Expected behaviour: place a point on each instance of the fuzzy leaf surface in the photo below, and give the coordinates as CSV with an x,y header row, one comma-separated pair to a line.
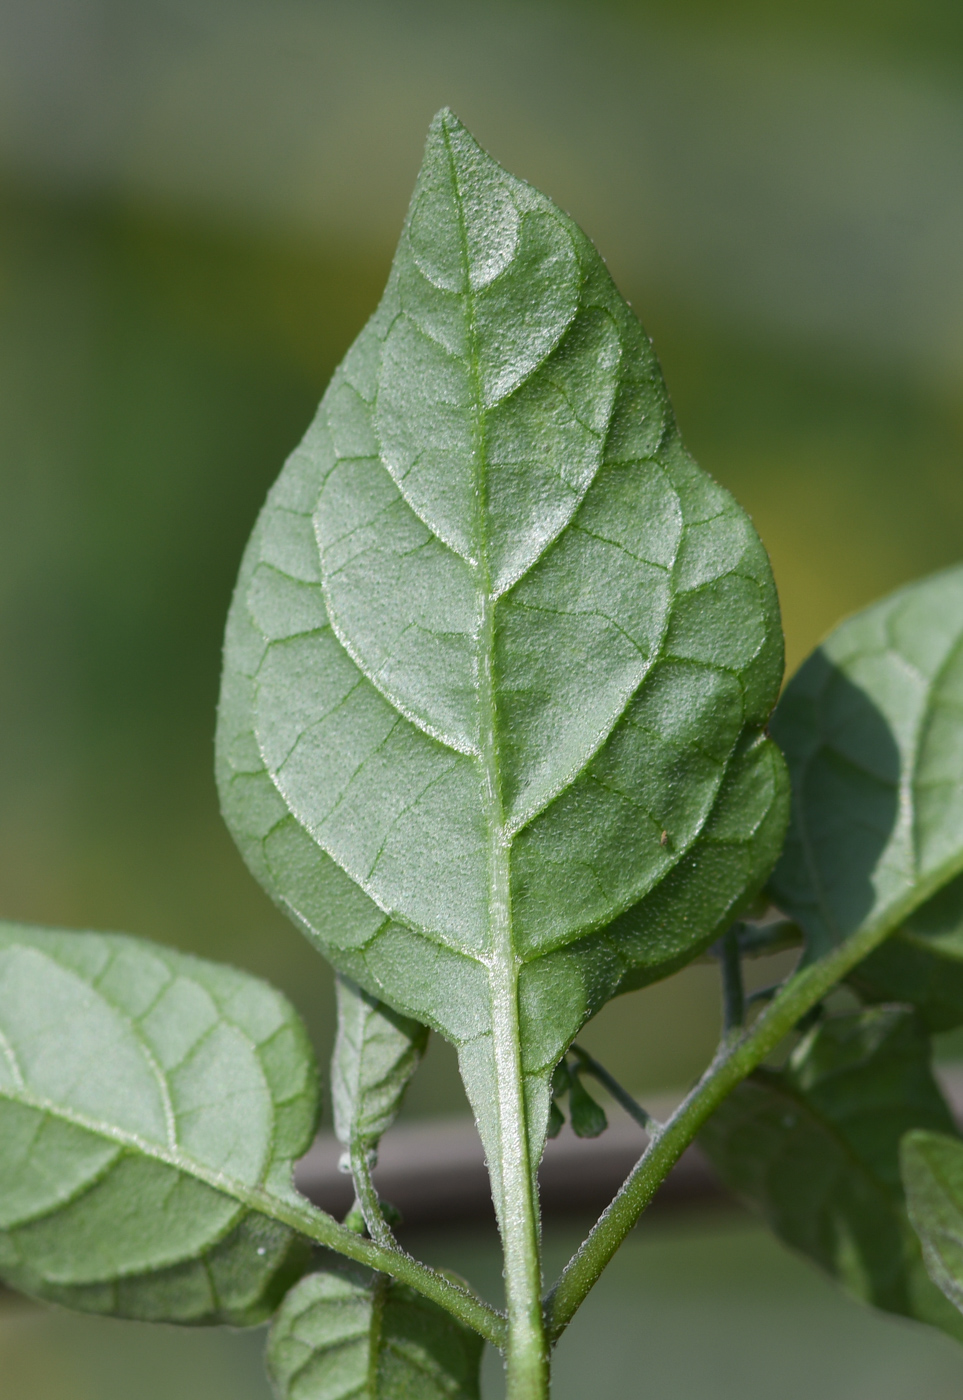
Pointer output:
x,y
815,1149
375,1054
138,1088
872,729
922,963
340,1336
500,655
932,1169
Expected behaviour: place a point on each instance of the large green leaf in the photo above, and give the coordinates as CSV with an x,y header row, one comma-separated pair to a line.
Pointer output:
x,y
815,1148
500,655
932,1168
341,1336
872,728
922,963
139,1088
375,1054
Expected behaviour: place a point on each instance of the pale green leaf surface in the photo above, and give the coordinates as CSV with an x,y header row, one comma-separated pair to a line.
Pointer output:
x,y
815,1148
872,729
137,1085
339,1337
376,1052
500,655
932,1169
922,963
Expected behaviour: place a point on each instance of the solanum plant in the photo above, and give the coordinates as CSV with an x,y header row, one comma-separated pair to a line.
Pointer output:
x,y
497,731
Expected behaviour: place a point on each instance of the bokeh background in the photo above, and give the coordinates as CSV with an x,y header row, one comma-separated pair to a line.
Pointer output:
x,y
198,204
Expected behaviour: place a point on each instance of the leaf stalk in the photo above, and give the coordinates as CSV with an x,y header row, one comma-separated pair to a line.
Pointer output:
x,y
323,1229
733,992
378,1228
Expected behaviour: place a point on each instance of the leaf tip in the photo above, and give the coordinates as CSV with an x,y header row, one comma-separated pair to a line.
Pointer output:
x,y
445,122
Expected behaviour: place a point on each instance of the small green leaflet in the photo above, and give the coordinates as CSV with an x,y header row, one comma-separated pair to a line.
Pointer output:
x,y
375,1054
587,1117
932,1169
339,1335
139,1090
500,655
922,963
815,1148
872,729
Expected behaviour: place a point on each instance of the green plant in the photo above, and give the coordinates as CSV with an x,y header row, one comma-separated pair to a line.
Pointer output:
x,y
492,732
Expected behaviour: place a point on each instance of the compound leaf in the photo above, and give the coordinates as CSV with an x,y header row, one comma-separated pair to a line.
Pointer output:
x,y
376,1052
500,655
872,729
932,1170
140,1089
815,1148
922,963
341,1335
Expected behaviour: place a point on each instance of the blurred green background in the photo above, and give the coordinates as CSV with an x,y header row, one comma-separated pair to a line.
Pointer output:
x,y
198,204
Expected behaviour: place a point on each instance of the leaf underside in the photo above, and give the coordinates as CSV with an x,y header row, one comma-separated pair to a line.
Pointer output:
x,y
375,1054
338,1337
872,729
932,1170
815,1148
500,655
139,1088
922,963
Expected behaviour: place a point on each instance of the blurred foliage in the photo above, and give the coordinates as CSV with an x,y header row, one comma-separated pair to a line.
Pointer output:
x,y
931,30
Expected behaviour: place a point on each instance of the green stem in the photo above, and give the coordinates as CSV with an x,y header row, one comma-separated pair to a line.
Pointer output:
x,y
621,1096
733,992
378,1227
734,1060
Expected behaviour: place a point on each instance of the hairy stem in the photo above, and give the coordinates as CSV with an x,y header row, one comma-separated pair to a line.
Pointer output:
x,y
734,1060
323,1229
378,1227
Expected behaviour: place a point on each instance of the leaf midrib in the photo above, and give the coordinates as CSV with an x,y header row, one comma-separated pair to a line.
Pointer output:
x,y
500,909
293,1211
123,1137
518,1213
